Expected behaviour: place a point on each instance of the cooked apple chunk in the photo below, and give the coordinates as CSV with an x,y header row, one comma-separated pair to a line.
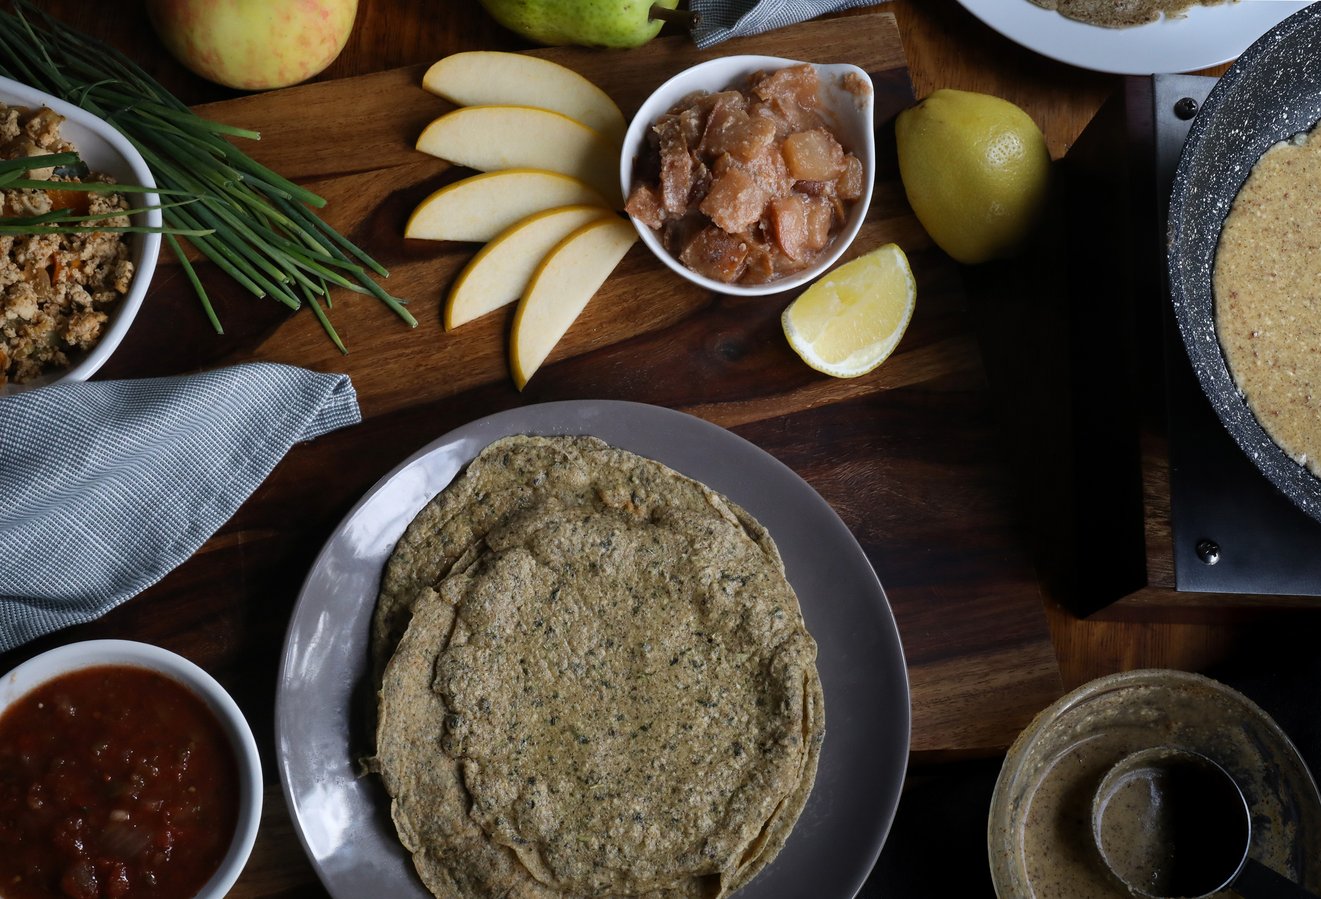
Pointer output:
x,y
735,200
849,185
676,169
729,129
788,219
813,155
716,254
644,204
821,217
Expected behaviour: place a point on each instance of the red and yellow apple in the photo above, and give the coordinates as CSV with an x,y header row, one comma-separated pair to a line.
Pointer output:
x,y
254,44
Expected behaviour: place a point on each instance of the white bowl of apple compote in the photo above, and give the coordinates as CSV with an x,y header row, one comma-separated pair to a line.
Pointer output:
x,y
751,175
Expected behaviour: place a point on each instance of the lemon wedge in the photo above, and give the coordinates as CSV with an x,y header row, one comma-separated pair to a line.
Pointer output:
x,y
851,320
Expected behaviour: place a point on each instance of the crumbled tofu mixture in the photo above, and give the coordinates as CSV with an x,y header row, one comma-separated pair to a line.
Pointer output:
x,y
57,291
747,185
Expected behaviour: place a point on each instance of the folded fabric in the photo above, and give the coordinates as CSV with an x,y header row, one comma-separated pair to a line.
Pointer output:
x,y
107,486
723,19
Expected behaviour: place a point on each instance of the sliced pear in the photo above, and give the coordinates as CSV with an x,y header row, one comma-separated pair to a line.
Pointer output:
x,y
492,77
501,270
480,207
565,280
493,138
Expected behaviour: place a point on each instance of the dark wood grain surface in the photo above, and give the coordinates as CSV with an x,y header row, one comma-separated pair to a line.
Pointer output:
x,y
944,462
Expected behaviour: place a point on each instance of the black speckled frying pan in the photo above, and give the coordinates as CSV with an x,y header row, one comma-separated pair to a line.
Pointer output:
x,y
1271,93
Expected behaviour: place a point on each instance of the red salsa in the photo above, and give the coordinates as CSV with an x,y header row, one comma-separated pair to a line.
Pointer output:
x,y
114,781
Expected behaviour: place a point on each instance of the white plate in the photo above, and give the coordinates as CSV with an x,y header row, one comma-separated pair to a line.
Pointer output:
x,y
1206,36
107,151
323,700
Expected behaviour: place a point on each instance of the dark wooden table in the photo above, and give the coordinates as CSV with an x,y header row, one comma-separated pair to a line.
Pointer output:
x,y
935,461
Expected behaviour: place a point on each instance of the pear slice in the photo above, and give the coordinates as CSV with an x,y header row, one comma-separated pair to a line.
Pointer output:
x,y
493,138
501,270
565,280
493,77
480,207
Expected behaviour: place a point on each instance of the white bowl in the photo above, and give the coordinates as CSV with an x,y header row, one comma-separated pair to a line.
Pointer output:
x,y
850,115
104,150
94,653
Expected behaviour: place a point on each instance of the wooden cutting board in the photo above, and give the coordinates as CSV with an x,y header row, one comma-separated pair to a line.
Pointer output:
x,y
910,456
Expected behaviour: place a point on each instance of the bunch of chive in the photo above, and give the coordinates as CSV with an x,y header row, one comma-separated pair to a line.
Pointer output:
x,y
64,220
255,225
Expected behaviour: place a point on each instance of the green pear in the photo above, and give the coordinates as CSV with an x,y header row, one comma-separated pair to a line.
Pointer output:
x,y
587,23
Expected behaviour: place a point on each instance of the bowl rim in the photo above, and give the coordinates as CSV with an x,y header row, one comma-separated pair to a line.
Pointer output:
x,y
1016,783
730,69
71,657
146,247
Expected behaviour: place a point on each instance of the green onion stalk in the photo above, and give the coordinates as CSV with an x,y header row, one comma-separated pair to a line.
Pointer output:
x,y
64,221
255,225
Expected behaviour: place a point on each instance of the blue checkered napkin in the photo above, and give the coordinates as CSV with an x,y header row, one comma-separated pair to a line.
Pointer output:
x,y
722,19
107,486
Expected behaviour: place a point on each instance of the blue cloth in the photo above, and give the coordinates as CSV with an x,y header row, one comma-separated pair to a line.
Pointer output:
x,y
107,486
723,19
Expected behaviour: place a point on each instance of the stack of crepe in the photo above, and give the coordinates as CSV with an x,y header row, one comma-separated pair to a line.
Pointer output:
x,y
595,680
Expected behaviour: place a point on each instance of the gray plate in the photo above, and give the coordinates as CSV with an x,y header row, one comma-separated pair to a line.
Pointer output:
x,y
1271,93
343,820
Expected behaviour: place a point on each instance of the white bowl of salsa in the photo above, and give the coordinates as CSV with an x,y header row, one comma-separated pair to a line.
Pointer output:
x,y
844,102
125,769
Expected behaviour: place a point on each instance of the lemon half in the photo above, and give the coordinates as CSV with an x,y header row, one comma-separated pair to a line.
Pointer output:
x,y
851,320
